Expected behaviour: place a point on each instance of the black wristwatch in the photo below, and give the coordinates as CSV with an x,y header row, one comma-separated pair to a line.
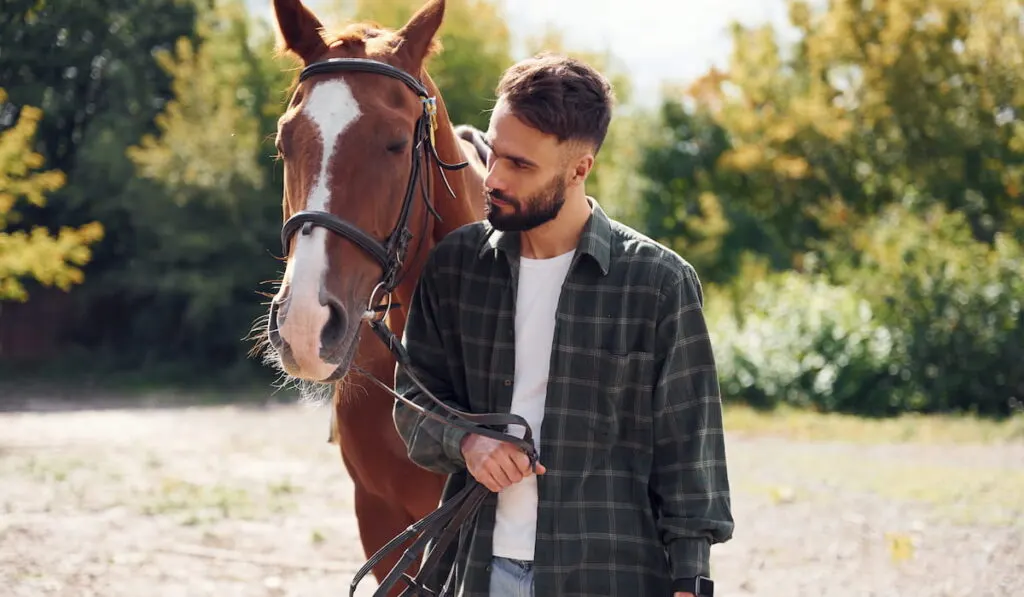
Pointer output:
x,y
701,586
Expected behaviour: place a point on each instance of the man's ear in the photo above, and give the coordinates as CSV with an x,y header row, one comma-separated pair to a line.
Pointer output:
x,y
582,167
416,38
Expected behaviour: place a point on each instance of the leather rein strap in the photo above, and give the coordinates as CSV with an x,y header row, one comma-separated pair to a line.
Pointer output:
x,y
439,528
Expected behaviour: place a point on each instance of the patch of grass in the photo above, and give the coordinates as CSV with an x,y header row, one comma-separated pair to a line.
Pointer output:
x,y
792,423
196,504
176,495
51,469
282,488
957,494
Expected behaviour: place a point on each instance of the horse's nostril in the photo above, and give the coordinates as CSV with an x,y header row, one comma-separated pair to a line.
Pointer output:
x,y
279,309
275,318
334,329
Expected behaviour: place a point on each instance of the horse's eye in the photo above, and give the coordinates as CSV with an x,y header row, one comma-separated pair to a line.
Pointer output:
x,y
397,146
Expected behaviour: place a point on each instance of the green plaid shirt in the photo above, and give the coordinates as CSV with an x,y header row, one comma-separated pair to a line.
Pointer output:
x,y
636,489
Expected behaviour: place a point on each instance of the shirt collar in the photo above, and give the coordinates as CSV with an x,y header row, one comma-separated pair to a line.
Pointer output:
x,y
595,240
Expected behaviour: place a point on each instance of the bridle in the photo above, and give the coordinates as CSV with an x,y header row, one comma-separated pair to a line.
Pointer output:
x,y
390,252
440,527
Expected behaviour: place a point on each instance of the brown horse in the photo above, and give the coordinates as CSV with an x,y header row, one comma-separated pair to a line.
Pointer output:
x,y
348,142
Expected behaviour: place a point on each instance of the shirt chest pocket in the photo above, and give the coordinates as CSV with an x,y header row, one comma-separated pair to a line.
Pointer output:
x,y
622,399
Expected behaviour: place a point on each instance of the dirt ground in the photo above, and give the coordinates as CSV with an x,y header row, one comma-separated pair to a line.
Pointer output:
x,y
251,501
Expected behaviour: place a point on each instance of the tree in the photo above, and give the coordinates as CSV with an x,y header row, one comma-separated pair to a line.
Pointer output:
x,y
913,101
78,61
690,202
202,239
210,132
88,66
35,254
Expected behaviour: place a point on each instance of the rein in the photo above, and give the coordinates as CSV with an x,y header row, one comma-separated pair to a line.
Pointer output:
x,y
439,528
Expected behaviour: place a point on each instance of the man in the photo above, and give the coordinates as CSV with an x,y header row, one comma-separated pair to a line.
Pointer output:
x,y
595,335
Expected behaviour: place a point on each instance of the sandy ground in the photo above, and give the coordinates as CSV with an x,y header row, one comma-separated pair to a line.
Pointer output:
x,y
252,501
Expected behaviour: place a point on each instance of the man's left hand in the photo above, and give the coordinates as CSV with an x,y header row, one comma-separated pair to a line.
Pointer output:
x,y
682,594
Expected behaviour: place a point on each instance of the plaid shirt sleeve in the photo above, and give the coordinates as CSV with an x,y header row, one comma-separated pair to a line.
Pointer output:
x,y
430,444
689,480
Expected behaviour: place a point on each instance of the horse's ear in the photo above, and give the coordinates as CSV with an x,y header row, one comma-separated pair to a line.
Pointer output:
x,y
417,36
299,29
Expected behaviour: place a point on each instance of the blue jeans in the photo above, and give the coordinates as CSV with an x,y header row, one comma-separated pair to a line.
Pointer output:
x,y
511,578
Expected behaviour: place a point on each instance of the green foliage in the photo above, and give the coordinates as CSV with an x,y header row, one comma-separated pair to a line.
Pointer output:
x,y
89,67
201,240
690,203
916,315
953,304
876,103
35,254
881,158
81,62
798,340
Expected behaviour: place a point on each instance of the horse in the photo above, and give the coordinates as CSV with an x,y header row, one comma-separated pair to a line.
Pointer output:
x,y
356,235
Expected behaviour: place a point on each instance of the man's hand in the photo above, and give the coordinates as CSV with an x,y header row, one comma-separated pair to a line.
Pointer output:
x,y
682,594
495,464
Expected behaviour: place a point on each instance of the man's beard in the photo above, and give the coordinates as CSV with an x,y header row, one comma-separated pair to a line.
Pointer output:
x,y
539,209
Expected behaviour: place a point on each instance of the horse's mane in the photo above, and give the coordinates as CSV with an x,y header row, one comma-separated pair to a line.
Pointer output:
x,y
373,36
367,33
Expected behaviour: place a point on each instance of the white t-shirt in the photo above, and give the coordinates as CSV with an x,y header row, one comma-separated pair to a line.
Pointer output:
x,y
540,284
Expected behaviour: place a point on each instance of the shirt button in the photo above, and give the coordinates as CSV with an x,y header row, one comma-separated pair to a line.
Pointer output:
x,y
508,382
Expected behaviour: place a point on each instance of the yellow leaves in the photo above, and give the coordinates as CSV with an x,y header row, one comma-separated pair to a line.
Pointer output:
x,y
800,15
1016,142
835,215
50,260
749,158
743,158
781,131
707,230
791,167
900,546
17,162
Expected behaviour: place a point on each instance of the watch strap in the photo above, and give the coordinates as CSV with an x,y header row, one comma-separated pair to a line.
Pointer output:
x,y
701,586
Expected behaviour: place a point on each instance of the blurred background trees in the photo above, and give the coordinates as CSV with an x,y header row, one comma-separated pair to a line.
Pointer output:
x,y
852,201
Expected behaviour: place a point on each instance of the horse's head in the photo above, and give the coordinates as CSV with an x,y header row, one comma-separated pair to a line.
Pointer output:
x,y
356,142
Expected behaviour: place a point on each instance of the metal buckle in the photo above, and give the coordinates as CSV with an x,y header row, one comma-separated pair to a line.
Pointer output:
x,y
374,311
430,109
703,587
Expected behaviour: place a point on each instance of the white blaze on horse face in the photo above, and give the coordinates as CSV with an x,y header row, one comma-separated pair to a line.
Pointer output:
x,y
332,108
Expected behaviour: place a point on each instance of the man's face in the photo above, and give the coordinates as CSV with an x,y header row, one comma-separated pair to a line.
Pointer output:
x,y
527,173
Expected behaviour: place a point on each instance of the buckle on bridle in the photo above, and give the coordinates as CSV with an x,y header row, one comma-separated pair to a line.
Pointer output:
x,y
430,109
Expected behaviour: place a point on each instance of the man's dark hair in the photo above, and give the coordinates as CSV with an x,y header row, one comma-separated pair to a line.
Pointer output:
x,y
559,96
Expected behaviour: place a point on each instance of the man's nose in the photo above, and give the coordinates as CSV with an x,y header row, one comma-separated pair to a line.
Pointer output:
x,y
493,180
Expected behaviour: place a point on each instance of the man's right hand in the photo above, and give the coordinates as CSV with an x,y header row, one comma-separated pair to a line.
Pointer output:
x,y
495,464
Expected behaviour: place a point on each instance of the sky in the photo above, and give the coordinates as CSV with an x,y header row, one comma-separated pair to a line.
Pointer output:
x,y
654,40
